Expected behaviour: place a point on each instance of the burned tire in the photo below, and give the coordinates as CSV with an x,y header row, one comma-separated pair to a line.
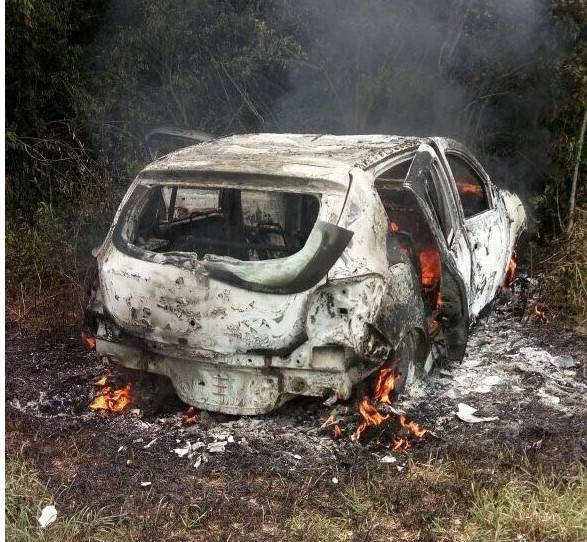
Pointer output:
x,y
448,343
404,364
404,360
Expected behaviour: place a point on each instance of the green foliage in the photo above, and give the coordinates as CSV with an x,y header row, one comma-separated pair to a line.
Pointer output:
x,y
568,107
564,265
38,253
44,40
86,79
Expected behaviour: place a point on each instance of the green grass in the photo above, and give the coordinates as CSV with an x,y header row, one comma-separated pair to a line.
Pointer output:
x,y
318,527
462,501
26,495
370,507
444,502
523,510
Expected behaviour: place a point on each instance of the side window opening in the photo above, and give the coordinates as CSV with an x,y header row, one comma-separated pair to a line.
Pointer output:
x,y
397,172
247,225
471,188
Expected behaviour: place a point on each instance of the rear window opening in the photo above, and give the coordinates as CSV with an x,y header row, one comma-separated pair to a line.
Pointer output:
x,y
247,225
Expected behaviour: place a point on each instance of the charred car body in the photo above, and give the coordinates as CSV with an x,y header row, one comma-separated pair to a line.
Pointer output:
x,y
254,268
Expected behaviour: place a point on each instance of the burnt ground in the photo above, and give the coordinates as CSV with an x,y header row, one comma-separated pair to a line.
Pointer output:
x,y
269,477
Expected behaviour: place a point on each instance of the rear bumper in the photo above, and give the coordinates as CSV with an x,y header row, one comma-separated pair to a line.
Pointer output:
x,y
247,384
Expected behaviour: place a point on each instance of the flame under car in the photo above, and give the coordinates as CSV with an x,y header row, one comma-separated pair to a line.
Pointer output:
x,y
251,269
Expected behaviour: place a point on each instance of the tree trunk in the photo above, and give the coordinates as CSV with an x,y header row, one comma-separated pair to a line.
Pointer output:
x,y
576,175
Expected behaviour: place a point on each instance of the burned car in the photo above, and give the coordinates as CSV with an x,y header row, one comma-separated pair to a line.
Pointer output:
x,y
254,268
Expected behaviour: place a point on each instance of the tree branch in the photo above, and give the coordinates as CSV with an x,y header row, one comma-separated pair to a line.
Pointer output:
x,y
573,197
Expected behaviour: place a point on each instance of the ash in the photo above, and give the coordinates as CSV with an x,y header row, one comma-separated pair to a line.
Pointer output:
x,y
523,378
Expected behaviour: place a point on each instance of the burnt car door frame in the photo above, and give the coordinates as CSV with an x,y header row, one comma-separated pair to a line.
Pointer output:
x,y
453,248
483,229
456,243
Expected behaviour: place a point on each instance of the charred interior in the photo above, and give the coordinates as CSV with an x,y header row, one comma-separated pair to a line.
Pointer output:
x,y
246,225
408,223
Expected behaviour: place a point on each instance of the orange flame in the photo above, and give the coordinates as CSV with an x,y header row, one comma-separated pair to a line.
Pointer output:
x,y
393,227
190,416
113,400
540,316
336,431
89,341
430,267
384,386
400,444
413,427
510,274
469,188
383,393
371,416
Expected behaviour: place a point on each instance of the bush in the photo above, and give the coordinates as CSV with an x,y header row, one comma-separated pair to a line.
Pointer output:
x,y
564,266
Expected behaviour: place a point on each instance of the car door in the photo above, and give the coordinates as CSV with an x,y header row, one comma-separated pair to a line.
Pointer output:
x,y
425,176
484,225
457,243
427,172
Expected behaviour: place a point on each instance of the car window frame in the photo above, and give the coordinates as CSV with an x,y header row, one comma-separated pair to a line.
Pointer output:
x,y
437,172
438,178
484,178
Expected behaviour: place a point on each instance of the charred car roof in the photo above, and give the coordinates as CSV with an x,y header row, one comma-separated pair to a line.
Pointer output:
x,y
307,155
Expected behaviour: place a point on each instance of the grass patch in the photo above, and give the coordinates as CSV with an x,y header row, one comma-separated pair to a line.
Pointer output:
x,y
379,506
318,527
464,501
26,495
523,510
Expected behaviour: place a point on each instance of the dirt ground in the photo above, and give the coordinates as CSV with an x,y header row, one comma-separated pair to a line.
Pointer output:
x,y
270,477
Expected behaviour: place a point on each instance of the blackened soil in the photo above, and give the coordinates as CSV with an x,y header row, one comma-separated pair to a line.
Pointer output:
x,y
271,465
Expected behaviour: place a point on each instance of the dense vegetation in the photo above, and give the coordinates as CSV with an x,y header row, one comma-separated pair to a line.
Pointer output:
x,y
85,80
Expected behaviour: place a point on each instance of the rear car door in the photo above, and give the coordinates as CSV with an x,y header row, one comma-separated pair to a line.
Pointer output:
x,y
484,225
427,172
427,180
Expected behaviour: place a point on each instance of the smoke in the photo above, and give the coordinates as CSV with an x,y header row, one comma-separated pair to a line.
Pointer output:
x,y
485,72
480,71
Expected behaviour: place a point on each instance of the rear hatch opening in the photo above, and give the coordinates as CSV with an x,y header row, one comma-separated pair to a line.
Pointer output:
x,y
241,224
267,234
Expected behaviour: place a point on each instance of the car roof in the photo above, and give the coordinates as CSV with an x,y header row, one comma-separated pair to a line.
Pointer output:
x,y
362,151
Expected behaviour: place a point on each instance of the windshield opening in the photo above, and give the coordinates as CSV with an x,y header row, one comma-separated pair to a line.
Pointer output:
x,y
247,225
